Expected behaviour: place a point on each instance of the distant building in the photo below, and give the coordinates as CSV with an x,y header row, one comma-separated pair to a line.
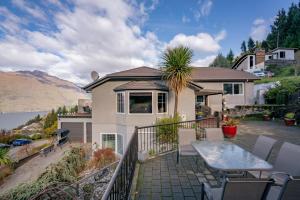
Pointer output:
x,y
259,60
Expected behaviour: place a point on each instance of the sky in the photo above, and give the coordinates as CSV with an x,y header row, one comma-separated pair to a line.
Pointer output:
x,y
71,38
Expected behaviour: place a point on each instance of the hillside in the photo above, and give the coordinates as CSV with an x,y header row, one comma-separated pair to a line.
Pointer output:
x,y
24,91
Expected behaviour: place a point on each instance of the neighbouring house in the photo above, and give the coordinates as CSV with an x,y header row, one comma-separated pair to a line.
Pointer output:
x,y
139,96
259,60
79,124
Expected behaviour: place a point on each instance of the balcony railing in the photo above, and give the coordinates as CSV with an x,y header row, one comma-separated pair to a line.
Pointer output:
x,y
153,140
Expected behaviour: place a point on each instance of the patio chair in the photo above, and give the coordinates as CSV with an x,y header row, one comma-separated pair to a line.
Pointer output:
x,y
263,147
185,137
289,191
214,134
286,164
237,189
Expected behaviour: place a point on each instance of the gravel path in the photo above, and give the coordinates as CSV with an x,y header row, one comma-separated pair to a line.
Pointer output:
x,y
31,170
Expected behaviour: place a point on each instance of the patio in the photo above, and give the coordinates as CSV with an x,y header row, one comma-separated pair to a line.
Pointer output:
x,y
163,178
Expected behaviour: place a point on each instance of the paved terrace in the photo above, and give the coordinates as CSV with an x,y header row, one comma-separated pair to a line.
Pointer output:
x,y
163,178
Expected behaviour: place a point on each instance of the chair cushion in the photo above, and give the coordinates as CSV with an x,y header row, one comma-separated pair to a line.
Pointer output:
x,y
274,192
187,150
212,193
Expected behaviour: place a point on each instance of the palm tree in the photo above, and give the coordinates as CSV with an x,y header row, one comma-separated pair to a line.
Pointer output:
x,y
4,158
176,70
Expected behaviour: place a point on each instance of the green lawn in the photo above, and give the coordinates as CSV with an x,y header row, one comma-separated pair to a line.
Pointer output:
x,y
274,79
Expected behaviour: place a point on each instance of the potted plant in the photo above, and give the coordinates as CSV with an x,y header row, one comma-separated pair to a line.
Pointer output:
x,y
230,128
199,115
267,115
289,119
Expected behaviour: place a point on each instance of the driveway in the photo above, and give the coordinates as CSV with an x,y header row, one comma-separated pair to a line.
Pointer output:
x,y
31,170
248,131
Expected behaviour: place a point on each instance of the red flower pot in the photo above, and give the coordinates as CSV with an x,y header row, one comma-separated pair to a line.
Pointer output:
x,y
229,131
266,118
289,122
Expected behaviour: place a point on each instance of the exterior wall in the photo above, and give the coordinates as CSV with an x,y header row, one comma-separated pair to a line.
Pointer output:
x,y
215,101
244,65
107,120
289,54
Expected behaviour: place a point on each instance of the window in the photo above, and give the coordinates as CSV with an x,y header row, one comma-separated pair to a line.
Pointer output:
x,y
233,88
162,102
120,102
120,144
200,99
140,102
251,62
109,141
270,57
282,54
227,88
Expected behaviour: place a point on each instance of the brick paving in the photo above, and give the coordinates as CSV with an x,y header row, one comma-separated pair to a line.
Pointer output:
x,y
163,178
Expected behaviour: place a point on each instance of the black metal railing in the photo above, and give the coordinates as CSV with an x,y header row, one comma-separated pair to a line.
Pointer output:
x,y
120,184
158,139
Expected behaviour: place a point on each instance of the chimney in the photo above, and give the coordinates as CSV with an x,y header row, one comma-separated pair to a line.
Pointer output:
x,y
260,56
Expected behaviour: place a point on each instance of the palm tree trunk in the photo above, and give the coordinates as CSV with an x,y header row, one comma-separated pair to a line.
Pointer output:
x,y
176,105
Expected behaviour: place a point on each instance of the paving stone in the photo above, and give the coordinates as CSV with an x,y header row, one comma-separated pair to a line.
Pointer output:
x,y
188,192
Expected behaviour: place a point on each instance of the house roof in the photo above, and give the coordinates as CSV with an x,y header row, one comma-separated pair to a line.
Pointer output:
x,y
209,92
150,74
220,74
278,48
142,85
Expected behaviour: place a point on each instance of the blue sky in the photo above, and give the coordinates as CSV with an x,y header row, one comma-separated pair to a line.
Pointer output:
x,y
70,38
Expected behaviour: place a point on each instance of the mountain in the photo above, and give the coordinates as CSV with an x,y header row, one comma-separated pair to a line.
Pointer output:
x,y
24,91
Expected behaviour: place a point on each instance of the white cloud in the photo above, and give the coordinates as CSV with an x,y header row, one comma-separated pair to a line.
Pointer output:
x,y
202,42
204,62
101,35
205,7
259,29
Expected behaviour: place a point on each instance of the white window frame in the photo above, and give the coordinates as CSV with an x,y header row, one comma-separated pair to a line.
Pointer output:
x,y
116,141
141,91
243,86
123,93
167,100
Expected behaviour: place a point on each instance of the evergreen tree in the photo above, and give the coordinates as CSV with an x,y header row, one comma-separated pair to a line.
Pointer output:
x,y
251,45
220,61
265,45
64,110
278,30
230,56
243,47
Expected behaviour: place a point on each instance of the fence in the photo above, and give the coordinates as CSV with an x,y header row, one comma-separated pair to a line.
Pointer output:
x,y
120,184
154,139
158,139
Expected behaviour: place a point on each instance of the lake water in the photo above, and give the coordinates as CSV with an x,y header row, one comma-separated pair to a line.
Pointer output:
x,y
13,120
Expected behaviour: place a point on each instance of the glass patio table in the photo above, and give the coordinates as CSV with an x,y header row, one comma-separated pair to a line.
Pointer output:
x,y
225,157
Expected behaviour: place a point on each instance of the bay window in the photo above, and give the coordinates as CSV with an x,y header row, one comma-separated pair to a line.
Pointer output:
x,y
140,102
120,102
162,102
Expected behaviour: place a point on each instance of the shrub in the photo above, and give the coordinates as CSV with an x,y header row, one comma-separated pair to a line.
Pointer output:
x,y
49,132
65,170
231,122
102,157
289,115
7,139
167,129
4,158
36,136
